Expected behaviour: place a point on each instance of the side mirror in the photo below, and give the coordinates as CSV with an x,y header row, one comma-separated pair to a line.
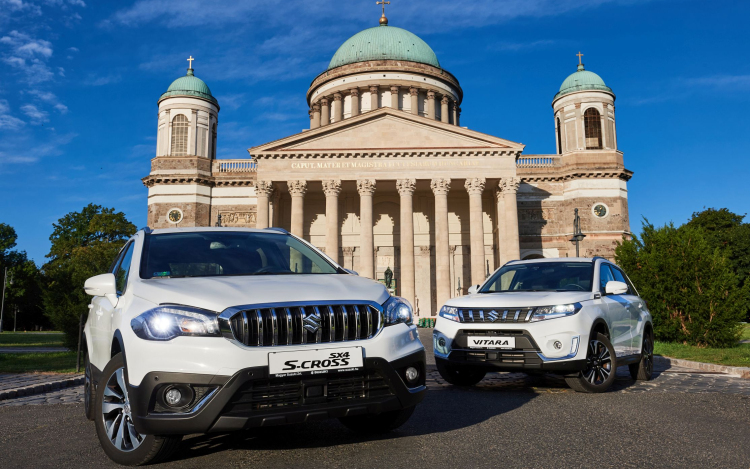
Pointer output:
x,y
351,272
102,285
616,288
473,289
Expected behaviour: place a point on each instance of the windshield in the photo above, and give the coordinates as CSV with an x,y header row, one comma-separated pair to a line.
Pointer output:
x,y
225,253
542,276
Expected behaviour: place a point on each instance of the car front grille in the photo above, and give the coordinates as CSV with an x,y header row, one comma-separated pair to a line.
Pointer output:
x,y
305,324
265,394
496,315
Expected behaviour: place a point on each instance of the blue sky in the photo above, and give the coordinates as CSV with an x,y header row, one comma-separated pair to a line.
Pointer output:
x,y
79,81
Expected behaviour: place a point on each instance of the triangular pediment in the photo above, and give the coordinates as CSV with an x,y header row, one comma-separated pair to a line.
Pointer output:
x,y
386,129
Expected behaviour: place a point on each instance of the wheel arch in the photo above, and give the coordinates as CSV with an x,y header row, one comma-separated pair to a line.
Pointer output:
x,y
600,326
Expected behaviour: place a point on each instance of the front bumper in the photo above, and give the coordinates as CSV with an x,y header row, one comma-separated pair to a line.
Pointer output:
x,y
250,399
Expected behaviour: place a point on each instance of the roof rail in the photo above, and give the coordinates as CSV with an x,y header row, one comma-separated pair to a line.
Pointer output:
x,y
598,257
280,230
147,230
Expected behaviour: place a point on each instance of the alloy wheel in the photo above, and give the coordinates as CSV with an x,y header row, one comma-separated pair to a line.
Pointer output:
x,y
599,363
116,412
648,355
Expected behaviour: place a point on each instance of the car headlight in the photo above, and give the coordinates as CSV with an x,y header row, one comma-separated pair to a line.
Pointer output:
x,y
557,311
449,312
168,322
397,310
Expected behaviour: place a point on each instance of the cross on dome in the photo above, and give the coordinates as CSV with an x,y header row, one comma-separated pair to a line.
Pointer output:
x,y
579,58
190,60
383,19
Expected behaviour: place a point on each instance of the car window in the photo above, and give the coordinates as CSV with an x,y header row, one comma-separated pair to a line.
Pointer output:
x,y
621,277
116,262
541,276
605,275
123,269
227,253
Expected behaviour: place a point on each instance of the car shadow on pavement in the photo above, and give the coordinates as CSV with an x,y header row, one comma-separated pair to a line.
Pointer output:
x,y
442,410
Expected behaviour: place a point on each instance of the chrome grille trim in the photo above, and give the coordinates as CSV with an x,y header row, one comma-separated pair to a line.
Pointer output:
x,y
293,323
496,315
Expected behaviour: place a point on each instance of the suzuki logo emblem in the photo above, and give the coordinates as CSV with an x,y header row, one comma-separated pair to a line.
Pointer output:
x,y
493,315
312,322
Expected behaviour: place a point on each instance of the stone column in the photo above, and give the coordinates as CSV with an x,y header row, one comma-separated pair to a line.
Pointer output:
x,y
501,236
366,188
458,115
406,190
475,187
512,243
316,116
394,97
325,113
414,92
276,209
354,93
431,104
297,190
444,117
374,97
605,135
440,188
310,113
331,188
580,128
338,107
263,191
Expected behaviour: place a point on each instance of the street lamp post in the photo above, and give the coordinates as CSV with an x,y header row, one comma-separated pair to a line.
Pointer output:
x,y
2,306
577,234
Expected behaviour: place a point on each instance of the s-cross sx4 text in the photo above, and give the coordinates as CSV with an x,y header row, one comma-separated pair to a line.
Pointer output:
x,y
218,329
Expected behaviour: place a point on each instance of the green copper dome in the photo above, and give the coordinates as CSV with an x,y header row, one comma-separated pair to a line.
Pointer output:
x,y
582,80
189,85
384,43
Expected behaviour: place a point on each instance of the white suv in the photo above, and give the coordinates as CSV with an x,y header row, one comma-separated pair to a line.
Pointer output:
x,y
219,329
578,317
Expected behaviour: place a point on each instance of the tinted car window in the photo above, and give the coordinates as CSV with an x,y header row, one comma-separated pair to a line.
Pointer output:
x,y
224,253
621,277
542,276
121,274
605,275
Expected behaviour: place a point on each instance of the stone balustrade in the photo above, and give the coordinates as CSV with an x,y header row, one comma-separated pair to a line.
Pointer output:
x,y
234,166
533,161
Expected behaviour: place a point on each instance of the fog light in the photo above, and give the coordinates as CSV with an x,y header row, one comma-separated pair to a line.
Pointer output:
x,y
557,345
173,397
411,375
441,342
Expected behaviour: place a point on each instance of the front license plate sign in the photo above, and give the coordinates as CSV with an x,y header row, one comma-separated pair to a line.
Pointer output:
x,y
315,361
492,342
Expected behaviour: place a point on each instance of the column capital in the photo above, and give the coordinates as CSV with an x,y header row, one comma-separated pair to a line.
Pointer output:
x,y
316,107
324,101
297,187
430,94
332,187
374,88
455,106
406,186
354,92
414,91
348,250
264,188
510,185
445,99
440,186
395,88
425,250
475,185
498,192
366,186
337,97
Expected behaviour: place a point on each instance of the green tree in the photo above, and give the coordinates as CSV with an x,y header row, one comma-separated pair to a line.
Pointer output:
x,y
22,297
84,244
691,289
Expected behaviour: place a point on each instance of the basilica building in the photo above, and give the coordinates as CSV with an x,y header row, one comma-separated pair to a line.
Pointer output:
x,y
387,179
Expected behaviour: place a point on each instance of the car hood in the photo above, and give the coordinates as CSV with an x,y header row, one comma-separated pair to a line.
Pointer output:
x,y
219,293
517,299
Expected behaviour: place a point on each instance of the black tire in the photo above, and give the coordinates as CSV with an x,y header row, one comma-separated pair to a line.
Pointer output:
x,y
644,369
372,424
89,390
459,376
143,449
601,368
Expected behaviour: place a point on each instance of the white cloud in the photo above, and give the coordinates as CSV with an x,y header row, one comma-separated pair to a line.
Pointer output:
x,y
25,46
7,121
28,55
721,81
36,115
49,98
94,80
73,49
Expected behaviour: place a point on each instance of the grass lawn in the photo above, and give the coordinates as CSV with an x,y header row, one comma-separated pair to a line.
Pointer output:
x,y
31,339
735,356
745,332
58,362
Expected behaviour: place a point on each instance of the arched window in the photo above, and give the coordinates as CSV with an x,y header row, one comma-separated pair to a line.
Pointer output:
x,y
592,122
559,137
180,126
